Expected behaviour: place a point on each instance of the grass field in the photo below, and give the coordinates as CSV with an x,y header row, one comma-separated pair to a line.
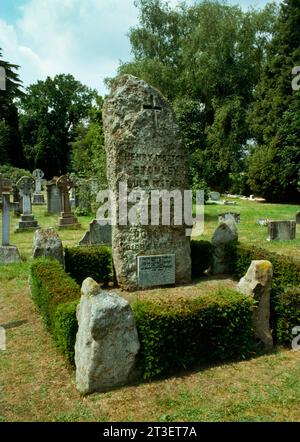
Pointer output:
x,y
36,384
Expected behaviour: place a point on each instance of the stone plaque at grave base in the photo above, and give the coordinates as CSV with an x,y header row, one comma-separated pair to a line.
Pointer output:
x,y
156,270
38,199
145,153
9,255
27,222
68,220
97,234
281,230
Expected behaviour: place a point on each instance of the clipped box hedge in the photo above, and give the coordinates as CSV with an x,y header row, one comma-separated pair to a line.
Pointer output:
x,y
84,262
179,335
285,294
56,294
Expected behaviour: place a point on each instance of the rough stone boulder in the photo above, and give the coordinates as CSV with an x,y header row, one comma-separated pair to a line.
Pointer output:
x,y
224,234
106,342
257,283
46,242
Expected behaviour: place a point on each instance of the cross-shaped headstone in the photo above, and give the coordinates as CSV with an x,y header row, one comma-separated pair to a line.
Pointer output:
x,y
65,184
26,187
5,186
154,108
38,175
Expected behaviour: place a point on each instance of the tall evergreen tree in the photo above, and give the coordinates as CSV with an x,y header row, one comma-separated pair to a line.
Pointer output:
x,y
10,142
274,163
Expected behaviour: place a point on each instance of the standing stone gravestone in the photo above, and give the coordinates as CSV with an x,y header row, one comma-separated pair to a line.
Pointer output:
x,y
54,205
17,200
67,218
46,242
298,218
38,197
281,230
257,283
229,215
107,340
144,152
214,196
26,187
8,253
98,233
225,233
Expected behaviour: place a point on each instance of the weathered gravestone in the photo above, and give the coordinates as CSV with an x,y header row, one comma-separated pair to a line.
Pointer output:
x,y
225,233
17,200
46,242
54,204
107,341
257,283
38,197
229,215
214,196
97,234
67,218
26,186
144,153
281,230
298,218
8,253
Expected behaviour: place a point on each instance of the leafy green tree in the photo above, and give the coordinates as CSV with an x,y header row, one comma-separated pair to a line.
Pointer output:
x,y
51,111
274,118
10,143
88,158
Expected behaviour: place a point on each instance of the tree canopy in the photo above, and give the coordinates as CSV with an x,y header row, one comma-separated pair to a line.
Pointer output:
x,y
50,112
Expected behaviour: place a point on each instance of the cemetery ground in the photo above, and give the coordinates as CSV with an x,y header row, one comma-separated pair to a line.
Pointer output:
x,y
36,383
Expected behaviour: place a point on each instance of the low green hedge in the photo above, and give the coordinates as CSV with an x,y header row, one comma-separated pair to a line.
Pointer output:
x,y
94,262
57,295
286,270
285,297
178,335
285,307
201,255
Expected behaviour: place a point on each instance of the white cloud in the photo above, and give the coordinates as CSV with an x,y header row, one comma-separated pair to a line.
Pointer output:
x,y
84,38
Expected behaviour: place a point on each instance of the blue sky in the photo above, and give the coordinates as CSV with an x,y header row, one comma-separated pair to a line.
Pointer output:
x,y
86,38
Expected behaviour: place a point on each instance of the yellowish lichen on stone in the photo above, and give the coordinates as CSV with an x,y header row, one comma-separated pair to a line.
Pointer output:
x,y
90,288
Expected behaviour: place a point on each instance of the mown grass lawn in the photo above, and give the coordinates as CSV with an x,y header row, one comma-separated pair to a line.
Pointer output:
x,y
36,384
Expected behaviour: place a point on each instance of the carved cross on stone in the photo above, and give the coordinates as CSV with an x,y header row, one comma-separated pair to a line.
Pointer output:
x,y
65,184
154,108
26,187
38,175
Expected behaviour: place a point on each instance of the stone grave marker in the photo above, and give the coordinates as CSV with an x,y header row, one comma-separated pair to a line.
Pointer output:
x,y
98,233
214,196
144,153
298,218
8,253
281,230
38,197
156,270
229,215
26,187
67,218
54,205
225,233
257,283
